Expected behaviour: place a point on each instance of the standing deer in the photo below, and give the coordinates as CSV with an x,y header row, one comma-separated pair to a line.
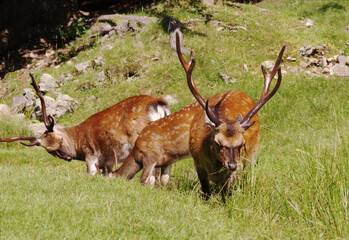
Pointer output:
x,y
220,135
104,138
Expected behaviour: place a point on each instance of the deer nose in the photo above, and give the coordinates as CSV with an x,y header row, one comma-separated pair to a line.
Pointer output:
x,y
232,166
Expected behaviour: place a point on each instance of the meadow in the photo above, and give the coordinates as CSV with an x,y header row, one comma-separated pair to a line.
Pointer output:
x,y
298,190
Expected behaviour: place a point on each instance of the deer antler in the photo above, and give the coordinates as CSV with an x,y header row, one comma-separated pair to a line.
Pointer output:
x,y
245,122
188,67
33,140
48,120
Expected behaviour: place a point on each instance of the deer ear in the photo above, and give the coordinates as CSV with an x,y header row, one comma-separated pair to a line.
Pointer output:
x,y
209,122
239,118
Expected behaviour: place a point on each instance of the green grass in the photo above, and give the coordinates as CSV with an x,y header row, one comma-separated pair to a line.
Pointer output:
x,y
298,190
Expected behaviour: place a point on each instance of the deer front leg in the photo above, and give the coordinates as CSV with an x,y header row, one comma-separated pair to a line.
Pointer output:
x,y
92,164
205,184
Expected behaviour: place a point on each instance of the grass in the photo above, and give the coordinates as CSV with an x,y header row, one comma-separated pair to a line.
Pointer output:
x,y
298,190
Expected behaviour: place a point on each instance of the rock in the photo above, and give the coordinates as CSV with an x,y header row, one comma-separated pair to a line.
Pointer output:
x,y
100,78
326,70
294,70
47,83
18,104
245,67
304,64
309,23
313,61
227,79
82,67
37,128
236,28
101,27
291,59
50,108
342,60
64,104
98,62
4,110
323,62
143,20
171,99
268,65
92,98
340,70
107,47
65,77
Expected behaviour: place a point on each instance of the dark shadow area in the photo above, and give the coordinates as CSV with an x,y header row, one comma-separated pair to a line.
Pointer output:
x,y
32,26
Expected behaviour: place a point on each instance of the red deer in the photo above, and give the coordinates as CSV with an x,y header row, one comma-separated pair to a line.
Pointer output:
x,y
222,141
101,138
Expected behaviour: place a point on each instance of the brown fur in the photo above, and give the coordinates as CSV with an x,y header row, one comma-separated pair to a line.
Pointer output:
x,y
159,145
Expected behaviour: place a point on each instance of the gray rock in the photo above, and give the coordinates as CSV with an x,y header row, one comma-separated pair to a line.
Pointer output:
x,y
64,104
50,108
291,59
342,60
227,79
313,61
293,70
138,19
4,110
83,67
47,83
304,64
101,27
100,78
245,67
326,70
323,62
340,70
98,62
268,65
18,104
37,128
65,77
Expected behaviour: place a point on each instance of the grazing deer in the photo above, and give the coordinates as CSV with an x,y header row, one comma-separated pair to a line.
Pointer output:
x,y
219,136
104,138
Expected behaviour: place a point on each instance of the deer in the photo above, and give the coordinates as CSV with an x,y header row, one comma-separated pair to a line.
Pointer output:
x,y
103,139
224,137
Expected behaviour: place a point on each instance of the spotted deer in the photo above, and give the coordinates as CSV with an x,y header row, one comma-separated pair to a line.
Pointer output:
x,y
102,139
162,142
225,136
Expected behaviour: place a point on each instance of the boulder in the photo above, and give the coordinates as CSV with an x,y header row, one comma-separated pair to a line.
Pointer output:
x,y
18,104
4,110
47,83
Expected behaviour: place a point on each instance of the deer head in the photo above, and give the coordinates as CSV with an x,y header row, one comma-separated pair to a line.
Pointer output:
x,y
52,141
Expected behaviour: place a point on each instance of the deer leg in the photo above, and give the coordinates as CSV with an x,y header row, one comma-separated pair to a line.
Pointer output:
x,y
91,163
205,184
147,175
129,168
165,174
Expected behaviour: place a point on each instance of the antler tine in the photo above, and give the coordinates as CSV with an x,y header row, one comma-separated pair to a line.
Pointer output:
x,y
180,56
33,140
265,95
269,77
48,120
